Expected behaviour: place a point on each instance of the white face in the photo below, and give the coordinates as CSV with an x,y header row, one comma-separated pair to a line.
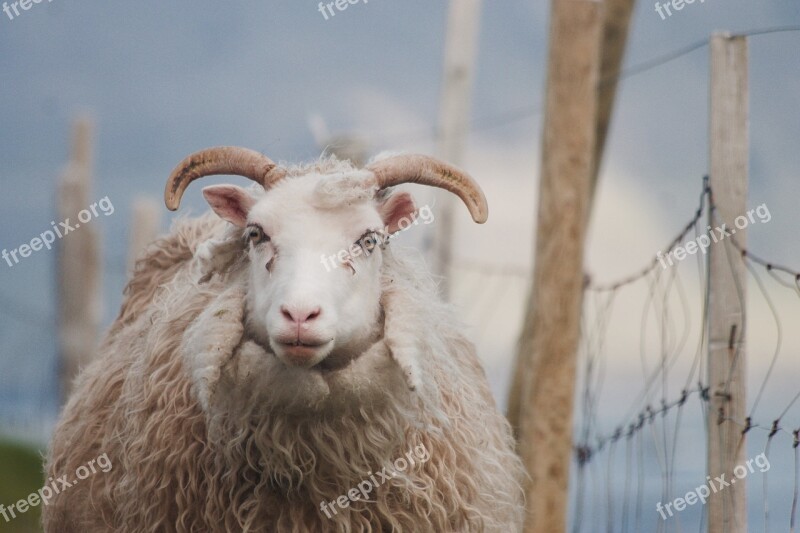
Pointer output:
x,y
315,266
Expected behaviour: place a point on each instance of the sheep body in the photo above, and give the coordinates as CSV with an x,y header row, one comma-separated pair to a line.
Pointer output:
x,y
207,432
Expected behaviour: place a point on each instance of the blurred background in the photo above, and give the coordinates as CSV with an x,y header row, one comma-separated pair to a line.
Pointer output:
x,y
156,81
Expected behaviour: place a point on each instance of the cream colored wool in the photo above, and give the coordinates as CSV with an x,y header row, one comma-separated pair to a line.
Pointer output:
x,y
207,432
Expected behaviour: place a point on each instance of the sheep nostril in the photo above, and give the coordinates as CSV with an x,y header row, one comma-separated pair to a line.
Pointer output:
x,y
300,316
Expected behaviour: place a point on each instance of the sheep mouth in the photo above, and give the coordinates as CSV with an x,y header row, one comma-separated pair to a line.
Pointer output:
x,y
329,364
302,353
297,343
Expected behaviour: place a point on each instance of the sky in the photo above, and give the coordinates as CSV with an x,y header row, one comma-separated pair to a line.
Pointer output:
x,y
162,80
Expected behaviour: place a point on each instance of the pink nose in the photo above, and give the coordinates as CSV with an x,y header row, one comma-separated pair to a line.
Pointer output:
x,y
300,315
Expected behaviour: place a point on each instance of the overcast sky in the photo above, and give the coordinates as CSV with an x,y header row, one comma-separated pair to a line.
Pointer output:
x,y
163,79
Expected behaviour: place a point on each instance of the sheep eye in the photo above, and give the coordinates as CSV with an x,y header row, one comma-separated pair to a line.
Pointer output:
x,y
256,235
368,242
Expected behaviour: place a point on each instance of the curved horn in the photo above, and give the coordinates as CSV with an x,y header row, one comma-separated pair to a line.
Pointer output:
x,y
219,160
429,171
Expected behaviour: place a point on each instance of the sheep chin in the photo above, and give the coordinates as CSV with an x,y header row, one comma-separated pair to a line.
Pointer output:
x,y
256,380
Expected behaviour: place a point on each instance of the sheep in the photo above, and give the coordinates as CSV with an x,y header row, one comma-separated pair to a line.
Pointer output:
x,y
244,388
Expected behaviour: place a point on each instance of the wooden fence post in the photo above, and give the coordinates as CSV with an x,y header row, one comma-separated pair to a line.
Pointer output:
x,y
541,405
727,509
79,269
463,24
145,222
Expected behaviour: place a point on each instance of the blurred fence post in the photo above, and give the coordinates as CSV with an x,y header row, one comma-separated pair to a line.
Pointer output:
x,y
145,223
79,270
461,46
542,395
615,36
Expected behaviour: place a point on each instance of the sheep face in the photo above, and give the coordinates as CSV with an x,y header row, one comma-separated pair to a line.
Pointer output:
x,y
314,263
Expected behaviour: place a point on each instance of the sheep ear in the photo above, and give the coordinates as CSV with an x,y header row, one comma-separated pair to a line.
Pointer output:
x,y
230,202
398,211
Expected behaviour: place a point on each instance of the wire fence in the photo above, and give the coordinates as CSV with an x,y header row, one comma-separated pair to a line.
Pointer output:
x,y
642,444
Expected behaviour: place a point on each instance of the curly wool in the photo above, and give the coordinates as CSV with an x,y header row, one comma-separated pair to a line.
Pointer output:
x,y
221,447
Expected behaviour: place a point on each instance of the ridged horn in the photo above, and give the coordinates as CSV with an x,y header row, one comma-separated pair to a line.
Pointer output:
x,y
427,170
231,160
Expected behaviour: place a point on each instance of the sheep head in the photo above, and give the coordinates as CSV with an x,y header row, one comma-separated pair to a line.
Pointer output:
x,y
314,245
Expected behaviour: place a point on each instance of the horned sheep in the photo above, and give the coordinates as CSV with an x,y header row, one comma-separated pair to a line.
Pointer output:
x,y
244,388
